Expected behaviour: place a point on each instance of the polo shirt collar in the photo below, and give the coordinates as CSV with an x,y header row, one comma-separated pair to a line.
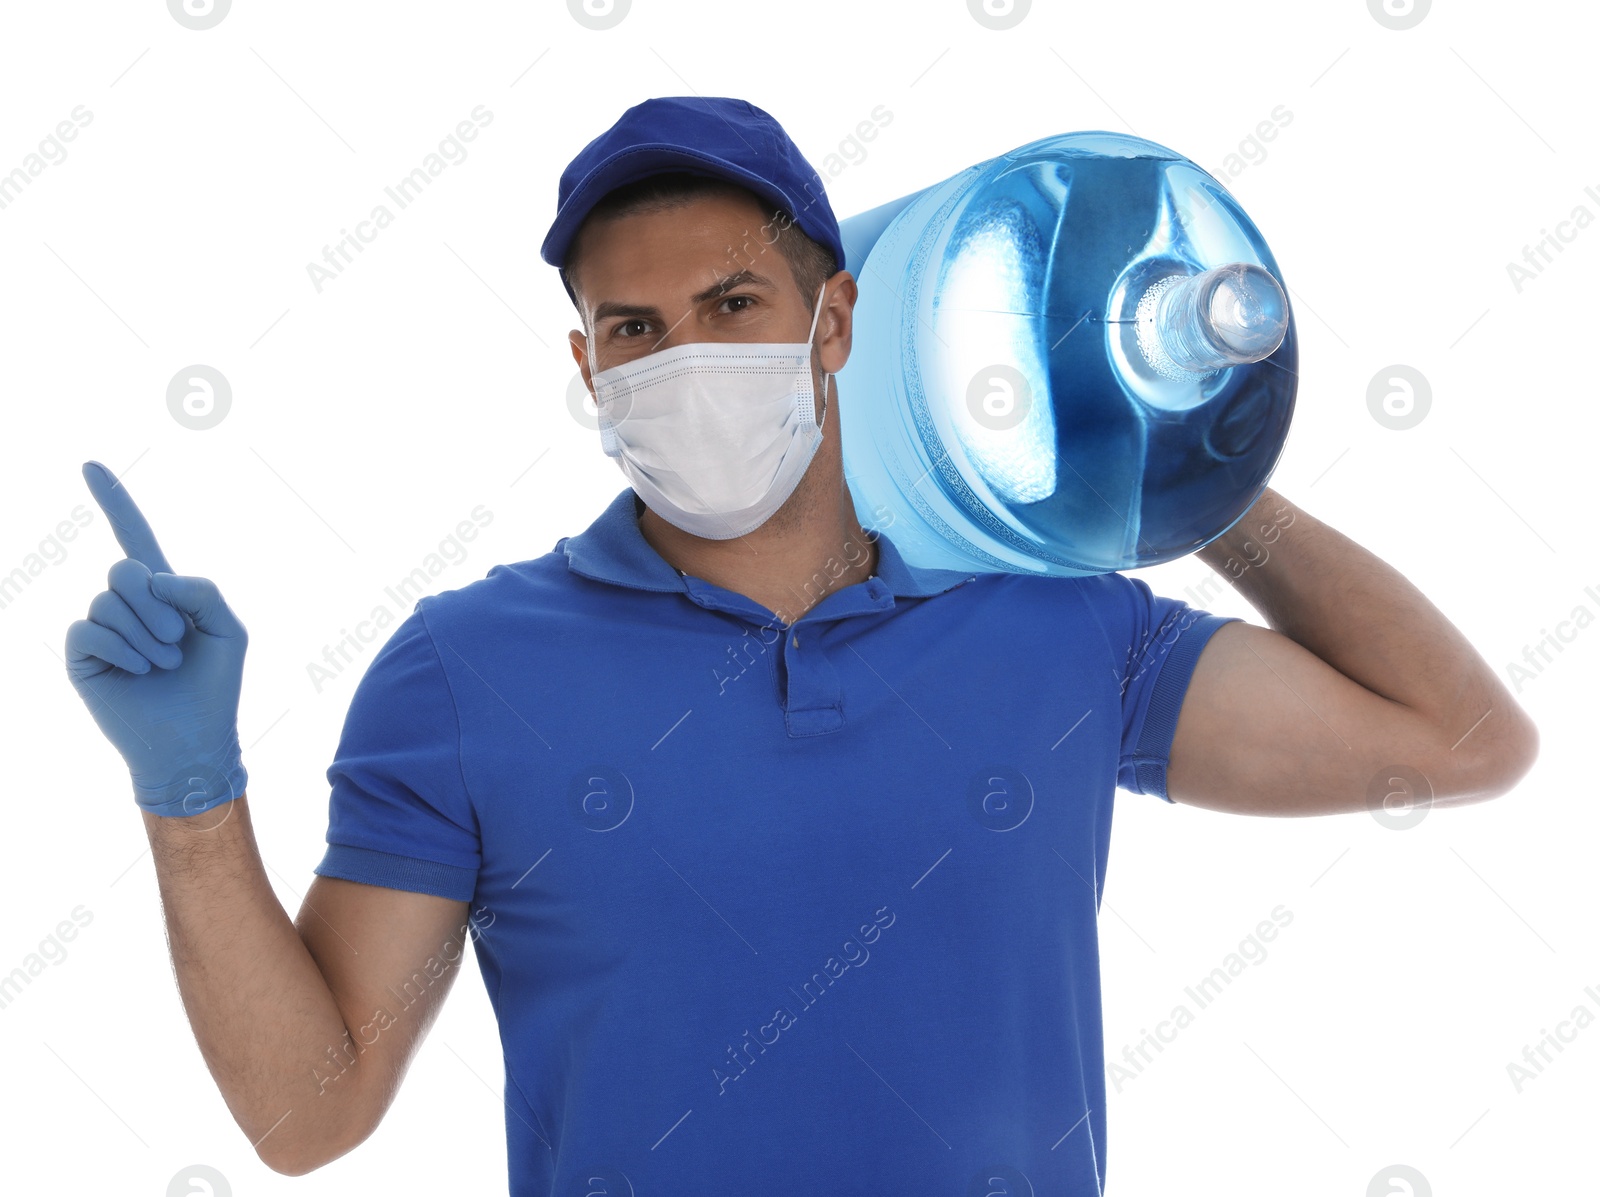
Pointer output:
x,y
612,549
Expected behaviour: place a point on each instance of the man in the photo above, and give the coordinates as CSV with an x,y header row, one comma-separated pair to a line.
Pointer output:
x,y
782,858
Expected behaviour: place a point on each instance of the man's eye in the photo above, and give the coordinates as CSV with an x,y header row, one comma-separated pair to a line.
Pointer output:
x,y
627,324
743,299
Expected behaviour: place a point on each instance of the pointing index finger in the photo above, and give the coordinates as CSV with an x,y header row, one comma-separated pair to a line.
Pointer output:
x,y
127,521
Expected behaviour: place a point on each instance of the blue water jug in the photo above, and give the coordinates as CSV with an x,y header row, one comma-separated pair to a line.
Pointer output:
x,y
1074,358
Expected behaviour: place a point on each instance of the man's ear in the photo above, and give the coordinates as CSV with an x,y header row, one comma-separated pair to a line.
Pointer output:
x,y
837,321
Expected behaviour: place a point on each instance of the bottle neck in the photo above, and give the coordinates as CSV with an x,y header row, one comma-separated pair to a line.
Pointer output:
x,y
1197,324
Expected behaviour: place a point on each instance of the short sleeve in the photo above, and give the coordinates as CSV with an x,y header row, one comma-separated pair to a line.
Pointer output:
x,y
1163,639
399,814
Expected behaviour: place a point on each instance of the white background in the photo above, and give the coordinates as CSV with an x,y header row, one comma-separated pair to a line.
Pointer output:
x,y
431,377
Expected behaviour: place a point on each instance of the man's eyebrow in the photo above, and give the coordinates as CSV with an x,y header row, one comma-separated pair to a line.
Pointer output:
x,y
633,311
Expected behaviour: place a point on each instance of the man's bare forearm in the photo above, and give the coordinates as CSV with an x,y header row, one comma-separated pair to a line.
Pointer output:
x,y
260,1007
1361,616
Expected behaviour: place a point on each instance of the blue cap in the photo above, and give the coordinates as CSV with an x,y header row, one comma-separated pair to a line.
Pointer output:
x,y
704,135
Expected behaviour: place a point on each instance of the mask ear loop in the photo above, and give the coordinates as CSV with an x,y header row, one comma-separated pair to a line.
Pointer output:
x,y
815,316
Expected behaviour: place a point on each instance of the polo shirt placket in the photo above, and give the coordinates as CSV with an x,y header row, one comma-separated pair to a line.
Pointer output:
x,y
807,683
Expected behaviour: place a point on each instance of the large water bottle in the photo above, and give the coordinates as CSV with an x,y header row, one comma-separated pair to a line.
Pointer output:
x,y
1074,358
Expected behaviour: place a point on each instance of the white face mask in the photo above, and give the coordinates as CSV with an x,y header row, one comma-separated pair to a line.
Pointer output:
x,y
713,436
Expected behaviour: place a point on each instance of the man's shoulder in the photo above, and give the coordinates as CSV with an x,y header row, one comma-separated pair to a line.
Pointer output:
x,y
1051,591
517,588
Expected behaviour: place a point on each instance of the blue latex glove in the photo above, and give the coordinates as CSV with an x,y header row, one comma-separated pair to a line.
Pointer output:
x,y
159,663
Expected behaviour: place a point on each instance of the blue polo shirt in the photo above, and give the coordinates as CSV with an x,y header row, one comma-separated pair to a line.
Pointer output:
x,y
766,908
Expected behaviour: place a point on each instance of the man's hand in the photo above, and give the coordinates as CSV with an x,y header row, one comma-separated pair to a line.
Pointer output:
x,y
159,663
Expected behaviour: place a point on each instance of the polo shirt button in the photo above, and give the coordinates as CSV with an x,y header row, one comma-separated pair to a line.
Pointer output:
x,y
795,640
